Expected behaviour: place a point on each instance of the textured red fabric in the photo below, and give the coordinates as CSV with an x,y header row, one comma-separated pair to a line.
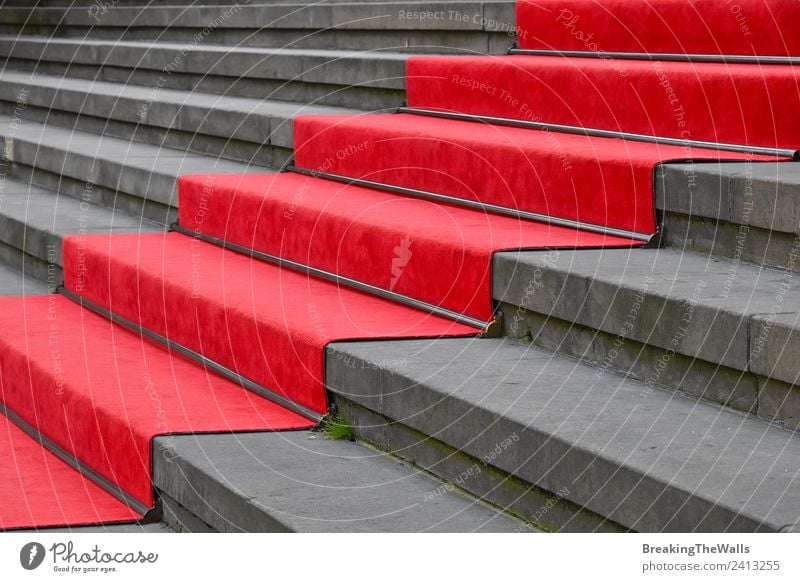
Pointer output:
x,y
607,182
434,252
745,104
743,27
268,323
102,393
40,490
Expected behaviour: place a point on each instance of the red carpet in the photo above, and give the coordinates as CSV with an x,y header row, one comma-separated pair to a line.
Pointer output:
x,y
743,27
102,393
40,489
360,232
269,324
599,181
670,99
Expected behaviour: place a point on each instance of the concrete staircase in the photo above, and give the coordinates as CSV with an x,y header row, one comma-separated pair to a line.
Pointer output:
x,y
634,389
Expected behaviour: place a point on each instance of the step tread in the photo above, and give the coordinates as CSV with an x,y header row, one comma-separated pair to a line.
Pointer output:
x,y
646,458
304,482
597,288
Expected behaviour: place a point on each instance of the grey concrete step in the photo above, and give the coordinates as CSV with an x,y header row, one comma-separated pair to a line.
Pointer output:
x,y
16,282
237,128
136,178
447,26
365,80
668,317
645,458
304,482
746,211
34,222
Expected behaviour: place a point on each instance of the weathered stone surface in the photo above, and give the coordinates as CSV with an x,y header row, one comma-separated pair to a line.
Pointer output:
x,y
303,482
644,457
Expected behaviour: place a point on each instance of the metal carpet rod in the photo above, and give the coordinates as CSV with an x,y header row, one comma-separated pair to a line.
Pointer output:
x,y
676,57
474,205
576,130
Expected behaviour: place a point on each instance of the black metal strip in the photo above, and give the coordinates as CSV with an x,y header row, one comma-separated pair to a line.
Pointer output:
x,y
677,57
472,204
191,354
344,281
74,462
575,130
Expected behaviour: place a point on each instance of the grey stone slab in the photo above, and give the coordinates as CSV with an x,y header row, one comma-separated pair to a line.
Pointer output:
x,y
36,220
761,195
695,305
147,171
256,120
645,458
13,282
775,346
303,482
374,69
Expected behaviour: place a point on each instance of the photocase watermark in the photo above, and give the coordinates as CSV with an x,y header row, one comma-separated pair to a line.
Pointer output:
x,y
402,256
101,8
570,22
474,469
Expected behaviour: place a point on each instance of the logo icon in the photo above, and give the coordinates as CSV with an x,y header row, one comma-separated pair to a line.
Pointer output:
x,y
31,555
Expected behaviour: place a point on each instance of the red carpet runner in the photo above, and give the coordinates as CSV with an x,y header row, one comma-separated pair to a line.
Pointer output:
x,y
436,198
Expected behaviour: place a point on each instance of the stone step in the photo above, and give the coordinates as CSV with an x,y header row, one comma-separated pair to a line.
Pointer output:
x,y
250,130
744,211
136,178
305,482
533,422
34,222
449,26
362,80
16,282
678,319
